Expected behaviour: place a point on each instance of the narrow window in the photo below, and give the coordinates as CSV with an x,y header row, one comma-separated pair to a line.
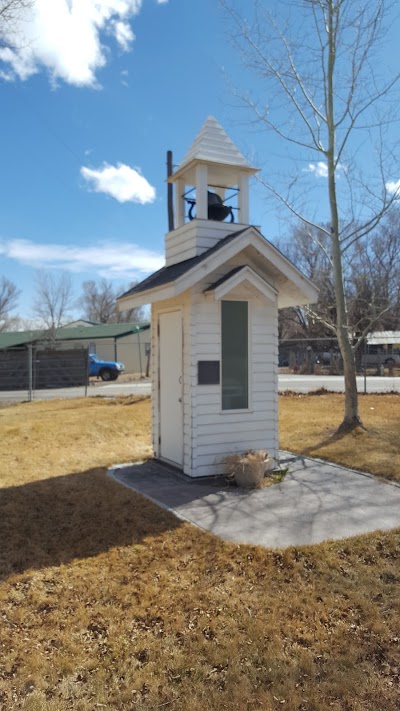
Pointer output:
x,y
235,356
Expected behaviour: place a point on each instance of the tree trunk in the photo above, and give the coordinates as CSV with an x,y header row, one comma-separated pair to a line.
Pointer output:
x,y
351,417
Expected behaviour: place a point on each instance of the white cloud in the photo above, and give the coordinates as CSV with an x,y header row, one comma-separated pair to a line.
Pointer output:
x,y
319,169
66,38
123,34
161,2
123,183
124,77
393,186
117,260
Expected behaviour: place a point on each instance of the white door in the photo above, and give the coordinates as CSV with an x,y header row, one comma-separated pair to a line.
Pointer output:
x,y
171,378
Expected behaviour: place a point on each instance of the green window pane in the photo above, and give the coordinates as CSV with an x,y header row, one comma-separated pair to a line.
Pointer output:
x,y
235,355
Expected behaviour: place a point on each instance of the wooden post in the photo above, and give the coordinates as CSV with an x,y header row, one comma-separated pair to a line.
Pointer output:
x,y
201,192
140,353
179,203
243,199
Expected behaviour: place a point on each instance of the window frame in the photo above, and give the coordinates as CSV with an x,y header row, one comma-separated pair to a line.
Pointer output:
x,y
249,407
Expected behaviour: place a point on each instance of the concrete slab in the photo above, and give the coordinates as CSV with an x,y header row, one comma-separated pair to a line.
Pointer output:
x,y
315,502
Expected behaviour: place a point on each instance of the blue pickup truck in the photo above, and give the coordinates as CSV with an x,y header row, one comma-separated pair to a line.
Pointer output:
x,y
104,369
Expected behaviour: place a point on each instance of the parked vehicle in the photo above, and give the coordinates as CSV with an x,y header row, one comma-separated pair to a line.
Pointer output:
x,y
283,360
104,369
375,359
323,358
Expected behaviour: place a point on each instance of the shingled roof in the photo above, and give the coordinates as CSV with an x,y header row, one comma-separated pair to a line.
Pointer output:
x,y
167,275
14,339
213,144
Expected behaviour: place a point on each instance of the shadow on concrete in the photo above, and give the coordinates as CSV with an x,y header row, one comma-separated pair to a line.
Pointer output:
x,y
172,490
79,515
315,502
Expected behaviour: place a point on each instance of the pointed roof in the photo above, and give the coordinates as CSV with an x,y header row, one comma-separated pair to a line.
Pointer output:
x,y
293,287
213,147
212,144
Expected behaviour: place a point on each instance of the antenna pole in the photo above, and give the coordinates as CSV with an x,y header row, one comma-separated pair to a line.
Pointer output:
x,y
170,193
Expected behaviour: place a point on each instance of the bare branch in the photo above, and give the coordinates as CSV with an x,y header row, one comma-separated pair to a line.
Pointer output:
x,y
53,301
8,300
290,207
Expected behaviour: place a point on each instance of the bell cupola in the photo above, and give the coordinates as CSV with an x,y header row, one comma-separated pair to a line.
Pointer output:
x,y
211,189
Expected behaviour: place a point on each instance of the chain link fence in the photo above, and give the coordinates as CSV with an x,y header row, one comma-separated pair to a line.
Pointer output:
x,y
321,356
24,371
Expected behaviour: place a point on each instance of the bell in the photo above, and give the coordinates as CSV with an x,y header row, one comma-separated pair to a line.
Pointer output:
x,y
216,209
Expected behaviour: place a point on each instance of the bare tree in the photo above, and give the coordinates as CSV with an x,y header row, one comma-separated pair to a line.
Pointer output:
x,y
11,12
8,300
130,315
371,277
330,103
10,9
99,302
374,278
53,301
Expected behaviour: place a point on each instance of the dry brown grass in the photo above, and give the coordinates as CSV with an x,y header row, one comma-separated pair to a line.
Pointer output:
x,y
40,440
307,425
108,602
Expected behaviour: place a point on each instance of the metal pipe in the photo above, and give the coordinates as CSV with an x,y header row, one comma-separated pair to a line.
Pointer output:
x,y
170,193
30,374
87,370
140,354
365,367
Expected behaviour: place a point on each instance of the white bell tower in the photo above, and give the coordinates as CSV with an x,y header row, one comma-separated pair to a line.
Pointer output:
x,y
214,316
211,194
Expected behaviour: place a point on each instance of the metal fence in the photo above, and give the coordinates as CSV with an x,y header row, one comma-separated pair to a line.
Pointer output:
x,y
321,356
26,370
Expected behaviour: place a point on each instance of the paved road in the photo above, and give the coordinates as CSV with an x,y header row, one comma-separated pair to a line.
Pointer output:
x,y
306,383
297,383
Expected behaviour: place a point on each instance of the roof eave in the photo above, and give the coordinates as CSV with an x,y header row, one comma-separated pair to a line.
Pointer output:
x,y
186,167
148,296
304,290
241,276
308,293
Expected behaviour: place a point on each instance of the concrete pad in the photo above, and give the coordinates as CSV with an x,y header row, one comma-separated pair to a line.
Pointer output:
x,y
315,502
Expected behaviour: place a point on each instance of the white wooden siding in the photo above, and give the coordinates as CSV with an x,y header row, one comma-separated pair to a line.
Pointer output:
x,y
194,238
217,433
209,432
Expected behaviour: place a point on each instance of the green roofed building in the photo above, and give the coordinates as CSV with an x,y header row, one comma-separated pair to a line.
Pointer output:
x,y
126,342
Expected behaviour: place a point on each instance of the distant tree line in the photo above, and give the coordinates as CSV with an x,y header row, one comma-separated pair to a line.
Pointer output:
x,y
55,301
371,271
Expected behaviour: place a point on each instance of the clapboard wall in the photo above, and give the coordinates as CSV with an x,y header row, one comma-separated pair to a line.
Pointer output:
x,y
210,433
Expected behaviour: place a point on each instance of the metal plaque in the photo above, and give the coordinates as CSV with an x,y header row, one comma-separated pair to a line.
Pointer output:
x,y
208,372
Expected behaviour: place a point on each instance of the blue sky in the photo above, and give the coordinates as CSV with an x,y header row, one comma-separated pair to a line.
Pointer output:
x,y
90,104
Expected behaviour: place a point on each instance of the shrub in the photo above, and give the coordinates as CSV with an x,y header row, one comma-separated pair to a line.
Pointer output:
x,y
247,468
